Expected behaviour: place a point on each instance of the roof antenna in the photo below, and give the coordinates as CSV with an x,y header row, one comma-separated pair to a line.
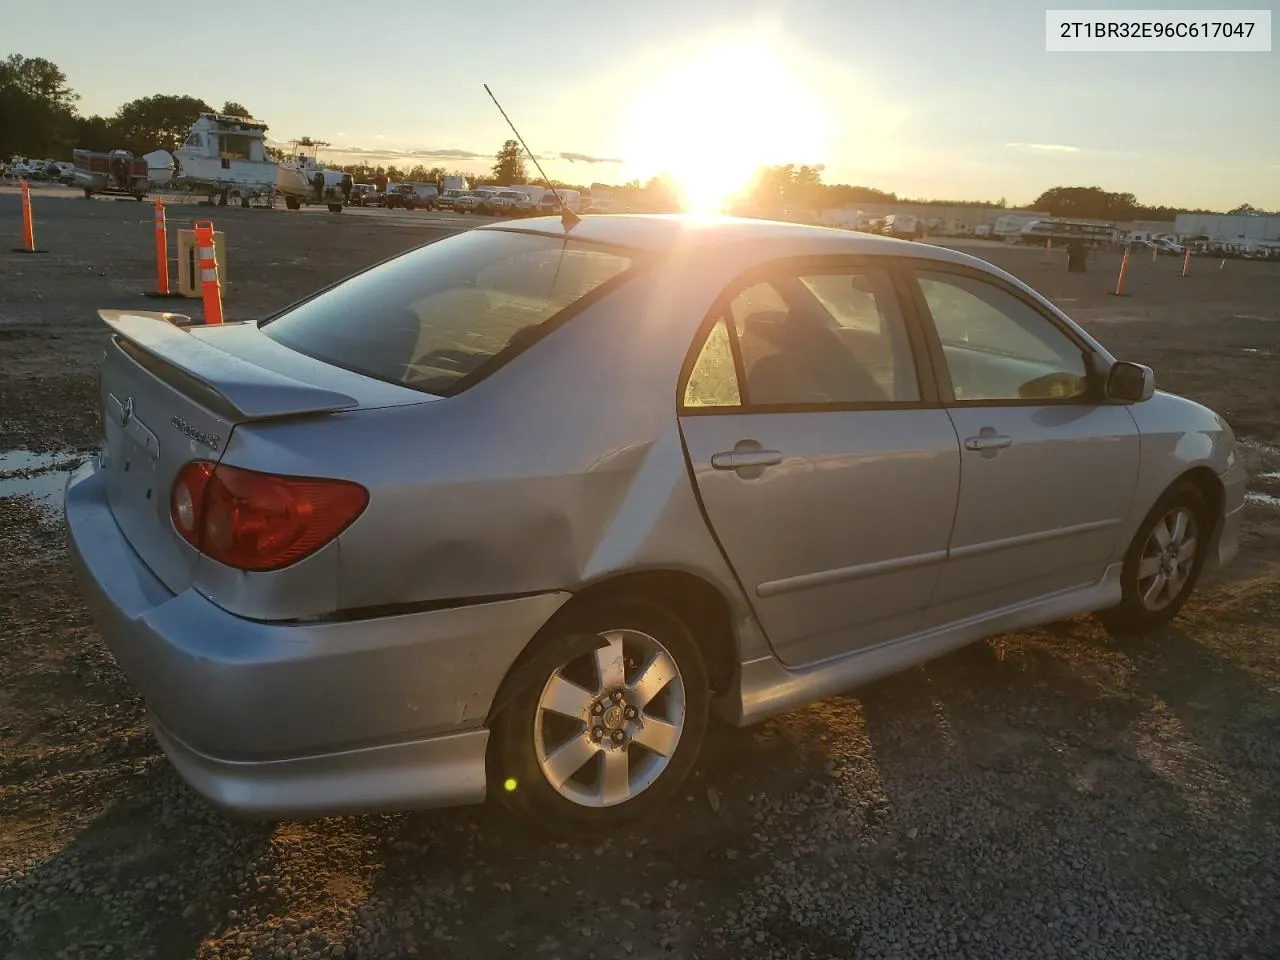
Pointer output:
x,y
568,219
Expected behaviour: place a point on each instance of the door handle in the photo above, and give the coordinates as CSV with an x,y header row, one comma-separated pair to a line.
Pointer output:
x,y
745,459
991,442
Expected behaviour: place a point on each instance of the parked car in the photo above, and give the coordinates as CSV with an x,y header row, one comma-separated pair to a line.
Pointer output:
x,y
411,196
17,170
466,202
37,170
365,195
489,200
509,203
400,195
513,511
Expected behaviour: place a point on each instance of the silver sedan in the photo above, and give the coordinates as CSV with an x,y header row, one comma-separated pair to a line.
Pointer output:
x,y
512,512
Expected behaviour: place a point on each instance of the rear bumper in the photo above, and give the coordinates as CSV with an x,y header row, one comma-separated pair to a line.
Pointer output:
x,y
293,719
439,771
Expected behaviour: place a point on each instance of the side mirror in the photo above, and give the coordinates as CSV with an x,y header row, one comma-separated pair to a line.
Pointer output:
x,y
1130,382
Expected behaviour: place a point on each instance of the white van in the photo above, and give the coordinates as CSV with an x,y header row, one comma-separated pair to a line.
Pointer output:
x,y
572,199
901,225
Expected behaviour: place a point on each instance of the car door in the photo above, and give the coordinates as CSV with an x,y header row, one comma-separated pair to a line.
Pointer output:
x,y
1048,469
825,466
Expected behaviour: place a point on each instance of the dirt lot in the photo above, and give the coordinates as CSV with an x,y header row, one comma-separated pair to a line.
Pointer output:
x,y
1050,793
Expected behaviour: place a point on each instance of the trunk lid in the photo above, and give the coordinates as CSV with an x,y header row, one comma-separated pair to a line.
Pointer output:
x,y
167,398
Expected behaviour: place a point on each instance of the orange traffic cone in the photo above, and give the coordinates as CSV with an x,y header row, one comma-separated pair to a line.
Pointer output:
x,y
211,289
162,255
1124,267
28,225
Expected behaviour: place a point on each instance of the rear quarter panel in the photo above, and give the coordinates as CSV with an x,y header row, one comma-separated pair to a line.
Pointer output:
x,y
563,468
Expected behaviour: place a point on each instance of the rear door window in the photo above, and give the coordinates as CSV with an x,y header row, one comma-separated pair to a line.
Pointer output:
x,y
434,317
832,336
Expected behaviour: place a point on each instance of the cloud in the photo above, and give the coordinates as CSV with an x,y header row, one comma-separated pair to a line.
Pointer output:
x,y
586,158
1044,147
439,153
425,153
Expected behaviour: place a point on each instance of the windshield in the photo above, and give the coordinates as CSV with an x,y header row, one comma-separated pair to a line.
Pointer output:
x,y
429,318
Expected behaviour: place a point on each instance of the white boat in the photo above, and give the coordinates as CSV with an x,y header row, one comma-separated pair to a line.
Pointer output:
x,y
226,157
160,167
303,179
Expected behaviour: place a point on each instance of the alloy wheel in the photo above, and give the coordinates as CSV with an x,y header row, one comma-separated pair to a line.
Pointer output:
x,y
608,723
1167,558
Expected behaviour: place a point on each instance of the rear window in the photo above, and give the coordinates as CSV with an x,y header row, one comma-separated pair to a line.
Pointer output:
x,y
433,318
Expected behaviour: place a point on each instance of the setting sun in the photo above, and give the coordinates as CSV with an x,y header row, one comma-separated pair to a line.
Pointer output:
x,y
716,116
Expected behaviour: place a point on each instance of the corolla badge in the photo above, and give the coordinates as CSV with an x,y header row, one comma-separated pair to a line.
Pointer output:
x,y
126,412
210,440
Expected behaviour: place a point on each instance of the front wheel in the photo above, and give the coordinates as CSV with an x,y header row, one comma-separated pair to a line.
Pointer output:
x,y
605,735
1163,562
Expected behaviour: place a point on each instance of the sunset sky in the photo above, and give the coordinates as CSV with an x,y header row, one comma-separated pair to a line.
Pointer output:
x,y
927,98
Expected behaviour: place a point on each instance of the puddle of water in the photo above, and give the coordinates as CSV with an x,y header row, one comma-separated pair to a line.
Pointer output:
x,y
1267,449
39,477
12,461
1265,499
1275,475
1249,349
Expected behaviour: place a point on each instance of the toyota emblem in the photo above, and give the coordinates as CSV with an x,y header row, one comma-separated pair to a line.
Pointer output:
x,y
126,412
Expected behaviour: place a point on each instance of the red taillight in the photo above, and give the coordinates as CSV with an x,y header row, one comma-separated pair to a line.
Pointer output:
x,y
260,521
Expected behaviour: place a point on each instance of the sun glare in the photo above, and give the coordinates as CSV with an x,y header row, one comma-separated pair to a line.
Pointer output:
x,y
716,116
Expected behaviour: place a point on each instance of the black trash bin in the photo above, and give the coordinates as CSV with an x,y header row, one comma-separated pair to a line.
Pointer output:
x,y
1076,256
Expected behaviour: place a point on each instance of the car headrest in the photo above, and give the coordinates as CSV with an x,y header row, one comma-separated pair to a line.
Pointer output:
x,y
769,325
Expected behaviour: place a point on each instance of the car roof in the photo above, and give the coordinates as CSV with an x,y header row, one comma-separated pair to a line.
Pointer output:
x,y
663,233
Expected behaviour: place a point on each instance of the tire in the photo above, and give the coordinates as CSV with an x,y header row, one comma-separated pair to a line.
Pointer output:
x,y
1180,516
292,203
527,735
335,208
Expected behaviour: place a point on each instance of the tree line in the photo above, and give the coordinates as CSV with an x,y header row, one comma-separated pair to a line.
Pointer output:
x,y
39,119
508,168
1094,203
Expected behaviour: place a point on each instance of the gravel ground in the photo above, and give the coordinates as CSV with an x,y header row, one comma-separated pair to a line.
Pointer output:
x,y
1047,793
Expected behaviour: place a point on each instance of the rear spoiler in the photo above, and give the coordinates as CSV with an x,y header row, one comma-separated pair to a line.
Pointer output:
x,y
246,390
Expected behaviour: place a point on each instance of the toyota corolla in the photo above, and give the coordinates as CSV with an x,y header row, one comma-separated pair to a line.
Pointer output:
x,y
513,512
